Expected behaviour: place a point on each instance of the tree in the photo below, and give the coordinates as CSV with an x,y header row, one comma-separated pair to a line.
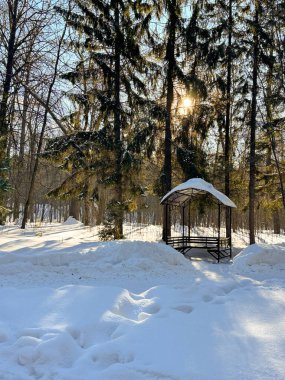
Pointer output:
x,y
252,164
41,137
112,32
4,126
22,29
271,108
228,113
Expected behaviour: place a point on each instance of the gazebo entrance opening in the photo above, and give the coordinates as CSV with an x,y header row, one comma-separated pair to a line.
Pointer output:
x,y
178,208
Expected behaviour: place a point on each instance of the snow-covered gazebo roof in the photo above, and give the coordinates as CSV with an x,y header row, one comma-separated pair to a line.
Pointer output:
x,y
192,187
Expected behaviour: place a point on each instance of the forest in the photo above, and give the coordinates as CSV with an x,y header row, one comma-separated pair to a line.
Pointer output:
x,y
106,105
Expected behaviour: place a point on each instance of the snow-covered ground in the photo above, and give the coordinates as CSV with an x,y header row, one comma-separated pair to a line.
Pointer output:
x,y
73,308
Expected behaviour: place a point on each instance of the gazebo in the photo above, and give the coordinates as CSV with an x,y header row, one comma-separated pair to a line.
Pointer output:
x,y
181,196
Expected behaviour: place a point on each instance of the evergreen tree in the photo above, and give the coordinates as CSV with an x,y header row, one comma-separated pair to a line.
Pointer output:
x,y
179,77
252,161
226,20
112,31
271,109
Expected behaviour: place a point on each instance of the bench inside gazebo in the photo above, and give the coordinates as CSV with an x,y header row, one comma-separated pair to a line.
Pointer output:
x,y
181,196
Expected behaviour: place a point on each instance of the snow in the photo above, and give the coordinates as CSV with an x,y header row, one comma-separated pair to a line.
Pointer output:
x,y
71,220
198,184
74,308
262,258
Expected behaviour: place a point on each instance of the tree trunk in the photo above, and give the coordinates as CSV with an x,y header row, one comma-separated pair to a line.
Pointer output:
x,y
87,205
16,207
50,214
87,212
228,118
118,232
167,167
74,208
276,222
252,165
170,57
8,78
43,212
20,160
101,206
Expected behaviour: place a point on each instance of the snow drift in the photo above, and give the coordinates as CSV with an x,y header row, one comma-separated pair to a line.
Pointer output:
x,y
72,308
260,258
92,261
71,221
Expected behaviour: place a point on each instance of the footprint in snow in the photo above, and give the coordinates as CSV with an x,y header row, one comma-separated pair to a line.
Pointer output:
x,y
132,309
222,300
106,359
3,336
207,298
187,309
228,289
152,308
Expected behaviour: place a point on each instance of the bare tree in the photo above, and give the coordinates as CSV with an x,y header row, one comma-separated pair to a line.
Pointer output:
x,y
22,25
43,129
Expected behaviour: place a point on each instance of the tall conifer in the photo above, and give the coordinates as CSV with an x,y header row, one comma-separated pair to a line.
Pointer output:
x,y
112,32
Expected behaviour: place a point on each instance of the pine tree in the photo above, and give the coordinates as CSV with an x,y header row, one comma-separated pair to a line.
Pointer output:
x,y
252,162
112,31
179,77
225,19
271,108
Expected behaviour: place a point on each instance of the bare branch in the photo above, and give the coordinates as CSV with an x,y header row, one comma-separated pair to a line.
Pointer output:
x,y
44,104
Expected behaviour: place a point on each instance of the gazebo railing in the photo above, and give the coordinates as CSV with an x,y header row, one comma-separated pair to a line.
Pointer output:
x,y
217,247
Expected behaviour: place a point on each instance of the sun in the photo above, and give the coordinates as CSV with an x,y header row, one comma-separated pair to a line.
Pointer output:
x,y
187,102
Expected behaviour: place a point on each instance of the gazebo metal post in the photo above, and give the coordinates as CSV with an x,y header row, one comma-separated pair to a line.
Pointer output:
x,y
230,228
183,222
189,219
166,230
219,231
